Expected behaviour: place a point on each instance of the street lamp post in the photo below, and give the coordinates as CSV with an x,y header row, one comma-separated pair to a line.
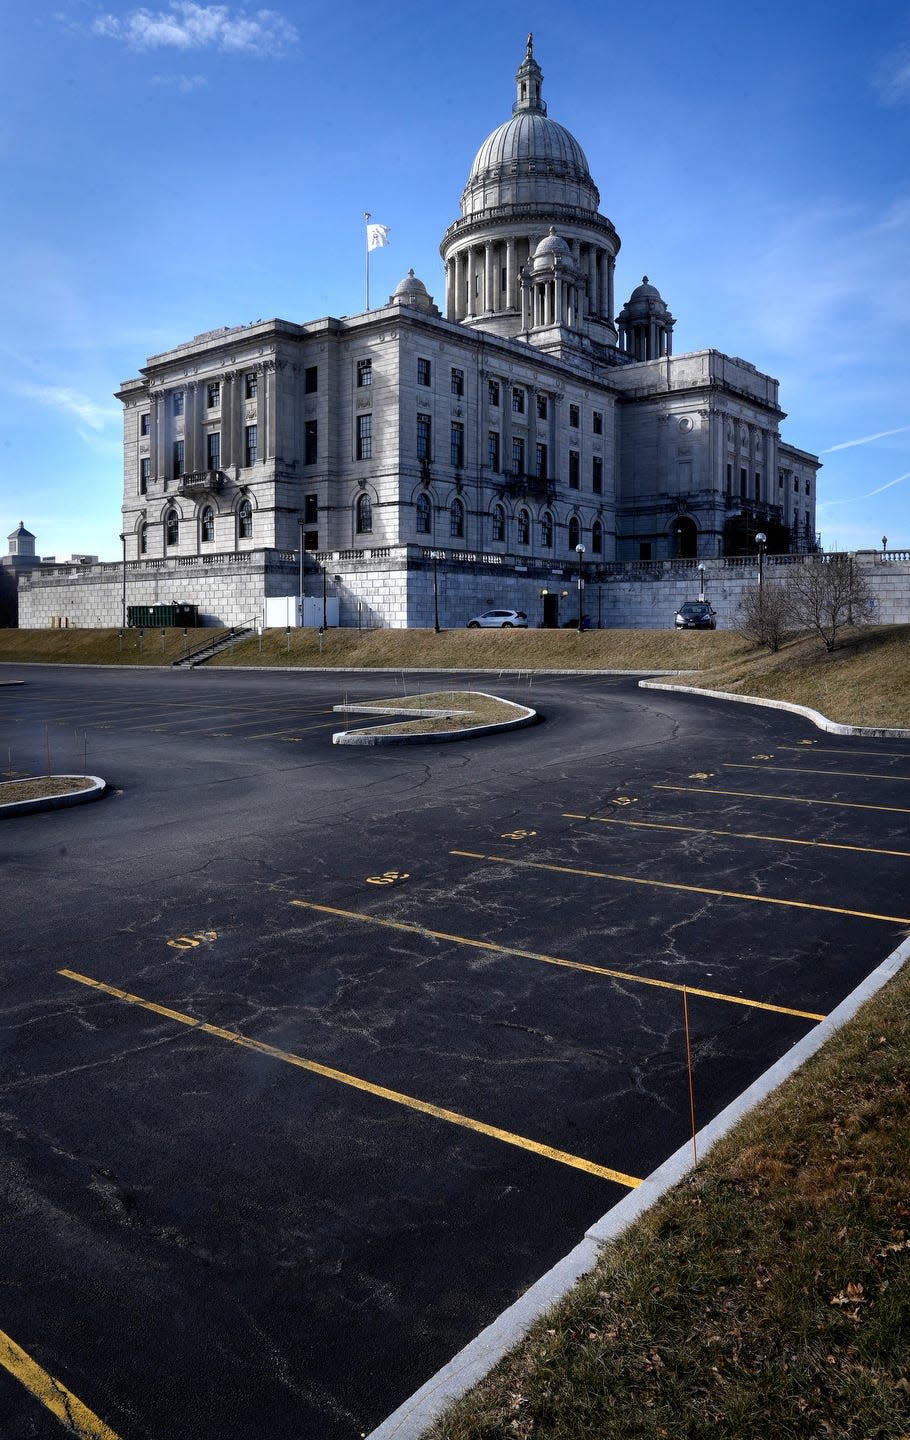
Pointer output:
x,y
300,577
580,552
701,582
761,541
434,556
325,599
123,585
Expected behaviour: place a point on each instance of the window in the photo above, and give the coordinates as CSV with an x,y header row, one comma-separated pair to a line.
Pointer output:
x,y
807,487
524,528
597,422
493,390
145,472
795,484
363,515
423,514
144,423
423,371
179,400
311,380
574,531
730,480
310,434
245,520
143,539
310,509
644,550
743,478
493,450
178,459
171,528
250,444
311,540
207,525
540,461
251,385
213,395
518,455
597,538
757,486
456,445
541,407
364,374
213,451
423,437
574,470
364,437
597,474
518,400
458,382
498,519
546,530
573,416
456,519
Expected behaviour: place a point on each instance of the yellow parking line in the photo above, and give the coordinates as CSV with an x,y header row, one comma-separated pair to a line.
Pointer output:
x,y
562,964
734,834
805,770
832,750
686,889
341,1077
792,799
61,1402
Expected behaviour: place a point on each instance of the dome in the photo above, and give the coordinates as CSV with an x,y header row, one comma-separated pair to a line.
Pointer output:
x,y
552,250
532,138
645,291
410,285
411,291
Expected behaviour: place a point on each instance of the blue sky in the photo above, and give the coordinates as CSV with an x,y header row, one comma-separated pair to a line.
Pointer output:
x,y
175,167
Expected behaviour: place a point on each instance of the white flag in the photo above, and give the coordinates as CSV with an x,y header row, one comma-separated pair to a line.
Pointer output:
x,y
377,236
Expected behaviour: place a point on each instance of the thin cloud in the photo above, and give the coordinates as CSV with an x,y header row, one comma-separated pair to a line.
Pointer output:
x,y
893,79
61,397
853,499
187,26
865,439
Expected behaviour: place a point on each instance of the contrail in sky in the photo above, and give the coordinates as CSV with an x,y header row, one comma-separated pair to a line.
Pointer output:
x,y
866,440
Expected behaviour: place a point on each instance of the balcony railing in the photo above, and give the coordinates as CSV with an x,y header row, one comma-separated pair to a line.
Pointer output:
x,y
197,481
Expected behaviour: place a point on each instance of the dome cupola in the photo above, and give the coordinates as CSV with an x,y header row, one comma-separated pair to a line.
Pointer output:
x,y
645,323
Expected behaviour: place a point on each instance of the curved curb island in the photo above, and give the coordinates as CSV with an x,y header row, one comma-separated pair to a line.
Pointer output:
x,y
92,791
391,734
833,727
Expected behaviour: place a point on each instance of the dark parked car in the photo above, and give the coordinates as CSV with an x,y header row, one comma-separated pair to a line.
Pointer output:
x,y
696,615
499,620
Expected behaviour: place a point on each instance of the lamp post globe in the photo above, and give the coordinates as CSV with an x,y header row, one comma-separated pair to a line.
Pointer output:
x,y
580,552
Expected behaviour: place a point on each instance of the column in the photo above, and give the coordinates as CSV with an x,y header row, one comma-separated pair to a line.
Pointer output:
x,y
191,426
450,279
611,272
271,382
511,297
469,261
155,440
228,408
489,298
592,281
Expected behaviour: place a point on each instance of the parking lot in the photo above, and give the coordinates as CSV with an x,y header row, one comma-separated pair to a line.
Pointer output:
x,y
313,1058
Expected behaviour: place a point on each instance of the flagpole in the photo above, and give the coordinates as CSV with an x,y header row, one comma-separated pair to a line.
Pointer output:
x,y
366,256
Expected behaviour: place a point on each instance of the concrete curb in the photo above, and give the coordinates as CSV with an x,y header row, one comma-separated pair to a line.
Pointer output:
x,y
476,1360
58,802
832,726
432,737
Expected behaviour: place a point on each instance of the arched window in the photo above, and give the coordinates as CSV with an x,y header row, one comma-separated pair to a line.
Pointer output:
x,y
143,539
597,538
423,514
456,519
546,530
499,522
524,528
245,520
363,515
574,532
207,525
171,528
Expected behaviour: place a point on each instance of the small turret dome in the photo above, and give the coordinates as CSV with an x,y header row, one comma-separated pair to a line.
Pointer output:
x,y
410,285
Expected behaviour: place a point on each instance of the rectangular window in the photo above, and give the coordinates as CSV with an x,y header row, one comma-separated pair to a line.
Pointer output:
x,y
144,424
311,540
743,480
457,382
493,451
541,407
145,471
423,437
456,445
574,470
730,480
310,510
644,550
494,392
597,474
757,486
518,401
364,374
503,278
518,455
807,487
178,459
250,444
310,435
573,416
213,451
423,371
311,380
365,437
251,385
795,484
213,395
178,402
597,422
540,458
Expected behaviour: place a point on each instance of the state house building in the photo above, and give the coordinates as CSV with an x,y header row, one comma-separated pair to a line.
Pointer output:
x,y
528,417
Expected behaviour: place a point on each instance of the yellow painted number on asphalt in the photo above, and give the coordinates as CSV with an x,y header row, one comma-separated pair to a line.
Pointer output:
x,y
189,942
762,757
389,877
625,800
518,835
702,775
807,742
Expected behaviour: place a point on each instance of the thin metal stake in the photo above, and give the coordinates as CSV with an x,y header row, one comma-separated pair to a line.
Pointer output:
x,y
689,1066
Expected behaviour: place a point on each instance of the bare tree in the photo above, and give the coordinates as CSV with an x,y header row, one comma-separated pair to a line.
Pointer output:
x,y
766,614
828,592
